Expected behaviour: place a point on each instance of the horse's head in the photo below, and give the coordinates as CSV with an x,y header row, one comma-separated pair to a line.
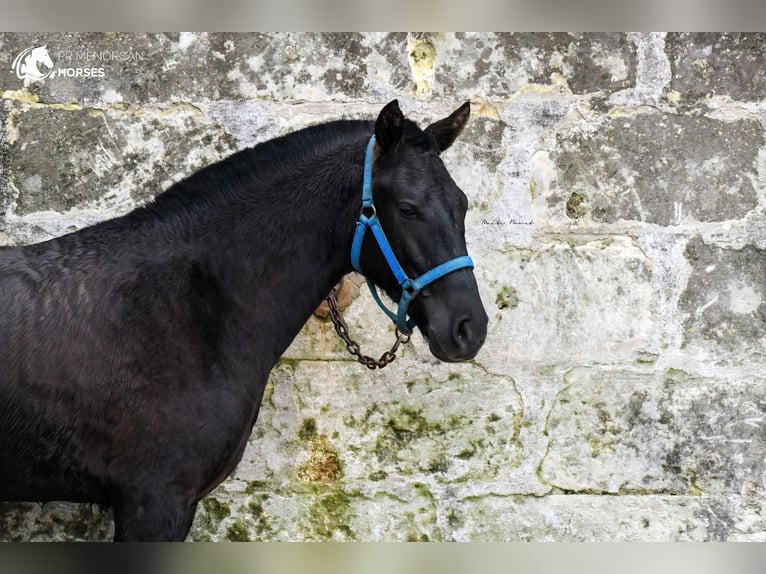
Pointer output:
x,y
41,56
29,62
422,211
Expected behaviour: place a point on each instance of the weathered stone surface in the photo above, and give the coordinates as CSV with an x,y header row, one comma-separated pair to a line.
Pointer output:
x,y
499,64
131,67
150,68
129,152
316,67
712,64
316,514
617,221
292,67
440,435
724,304
569,301
669,432
54,522
658,168
364,466
628,518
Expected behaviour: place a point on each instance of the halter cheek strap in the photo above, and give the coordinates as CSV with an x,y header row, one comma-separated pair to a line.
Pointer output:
x,y
368,219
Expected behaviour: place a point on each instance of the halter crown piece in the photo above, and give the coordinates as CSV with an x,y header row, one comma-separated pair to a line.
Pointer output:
x,y
410,287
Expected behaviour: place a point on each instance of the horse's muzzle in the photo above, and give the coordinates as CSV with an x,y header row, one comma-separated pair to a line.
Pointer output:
x,y
453,319
466,338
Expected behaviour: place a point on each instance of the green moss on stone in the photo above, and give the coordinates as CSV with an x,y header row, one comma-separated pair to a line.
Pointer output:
x,y
256,486
330,516
261,527
378,475
422,489
676,376
369,411
412,423
255,507
237,532
646,358
308,429
216,509
268,393
290,364
438,465
454,520
406,426
575,207
415,537
546,371
466,454
77,529
507,298
694,486
455,422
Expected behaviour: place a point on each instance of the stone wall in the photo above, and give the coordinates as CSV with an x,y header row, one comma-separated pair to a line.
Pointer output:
x,y
618,223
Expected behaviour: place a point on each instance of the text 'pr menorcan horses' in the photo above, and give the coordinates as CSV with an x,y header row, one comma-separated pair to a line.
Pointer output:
x,y
134,353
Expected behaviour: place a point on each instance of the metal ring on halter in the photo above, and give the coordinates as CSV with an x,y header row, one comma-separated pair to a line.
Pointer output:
x,y
368,207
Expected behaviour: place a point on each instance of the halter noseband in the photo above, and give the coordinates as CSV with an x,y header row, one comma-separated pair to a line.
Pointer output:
x,y
410,287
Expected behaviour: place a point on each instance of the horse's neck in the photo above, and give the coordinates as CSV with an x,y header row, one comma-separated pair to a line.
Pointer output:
x,y
288,257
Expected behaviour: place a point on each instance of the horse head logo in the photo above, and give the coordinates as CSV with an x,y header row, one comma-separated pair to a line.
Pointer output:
x,y
27,64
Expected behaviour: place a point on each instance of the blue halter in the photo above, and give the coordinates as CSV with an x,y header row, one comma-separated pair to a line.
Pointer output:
x,y
410,287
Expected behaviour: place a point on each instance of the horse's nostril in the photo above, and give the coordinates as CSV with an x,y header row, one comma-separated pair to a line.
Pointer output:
x,y
462,331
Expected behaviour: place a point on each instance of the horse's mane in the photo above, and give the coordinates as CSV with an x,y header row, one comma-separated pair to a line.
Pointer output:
x,y
255,168
258,169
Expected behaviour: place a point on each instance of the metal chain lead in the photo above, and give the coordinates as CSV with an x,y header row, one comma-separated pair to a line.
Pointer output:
x,y
352,346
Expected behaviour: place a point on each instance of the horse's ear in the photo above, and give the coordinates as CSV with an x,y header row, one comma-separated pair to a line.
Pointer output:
x,y
445,132
389,127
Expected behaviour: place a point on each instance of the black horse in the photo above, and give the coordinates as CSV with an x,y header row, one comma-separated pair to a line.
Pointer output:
x,y
134,353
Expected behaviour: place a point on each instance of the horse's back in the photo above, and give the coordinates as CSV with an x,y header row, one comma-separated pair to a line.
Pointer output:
x,y
56,360
33,436
18,291
94,342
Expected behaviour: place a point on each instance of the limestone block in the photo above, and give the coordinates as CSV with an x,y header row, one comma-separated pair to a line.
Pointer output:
x,y
618,431
54,522
316,514
657,168
415,423
584,518
707,64
724,304
495,65
111,158
311,67
577,301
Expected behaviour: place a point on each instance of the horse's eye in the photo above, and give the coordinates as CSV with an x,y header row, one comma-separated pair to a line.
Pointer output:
x,y
408,211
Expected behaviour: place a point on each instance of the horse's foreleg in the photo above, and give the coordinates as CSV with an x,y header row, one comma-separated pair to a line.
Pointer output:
x,y
158,518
